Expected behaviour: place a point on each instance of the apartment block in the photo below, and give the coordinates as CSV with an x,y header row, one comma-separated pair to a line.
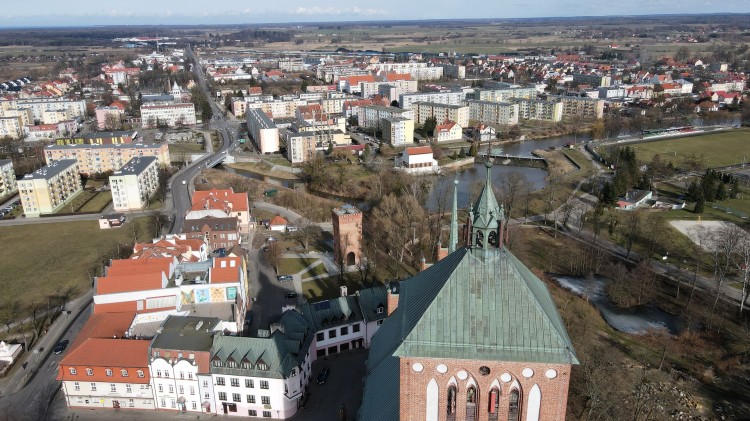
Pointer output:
x,y
99,138
501,113
49,188
400,87
134,184
504,94
540,110
108,118
371,116
216,232
417,71
398,131
441,112
455,71
574,106
156,114
406,101
11,127
55,116
37,106
274,108
8,186
263,130
96,158
24,113
301,147
592,79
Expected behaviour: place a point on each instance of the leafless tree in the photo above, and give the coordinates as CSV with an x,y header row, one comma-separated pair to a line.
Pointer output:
x,y
512,191
307,232
392,217
272,255
725,242
632,223
742,262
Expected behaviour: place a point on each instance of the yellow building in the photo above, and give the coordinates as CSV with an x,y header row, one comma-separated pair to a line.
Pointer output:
x,y
94,159
49,188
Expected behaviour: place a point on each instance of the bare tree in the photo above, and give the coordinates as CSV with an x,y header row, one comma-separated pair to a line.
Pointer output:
x,y
392,217
272,255
632,222
9,313
307,232
742,262
725,241
511,192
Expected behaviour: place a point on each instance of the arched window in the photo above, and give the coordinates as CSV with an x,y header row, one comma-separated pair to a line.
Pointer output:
x,y
534,405
471,403
451,410
492,238
479,241
432,401
493,404
514,412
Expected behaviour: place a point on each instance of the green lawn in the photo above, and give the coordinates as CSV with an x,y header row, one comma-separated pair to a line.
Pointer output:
x,y
41,259
291,266
97,203
328,288
718,149
318,270
179,148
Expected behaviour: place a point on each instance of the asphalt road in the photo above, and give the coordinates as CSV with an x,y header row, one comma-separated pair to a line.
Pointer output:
x,y
182,181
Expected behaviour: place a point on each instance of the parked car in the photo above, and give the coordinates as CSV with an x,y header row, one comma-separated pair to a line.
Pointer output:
x,y
291,295
61,347
323,376
285,278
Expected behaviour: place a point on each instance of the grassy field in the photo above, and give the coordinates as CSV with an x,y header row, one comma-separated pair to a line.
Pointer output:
x,y
315,271
176,149
42,259
328,288
264,169
291,266
97,203
718,149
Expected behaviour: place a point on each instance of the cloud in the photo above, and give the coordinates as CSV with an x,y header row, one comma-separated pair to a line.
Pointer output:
x,y
336,11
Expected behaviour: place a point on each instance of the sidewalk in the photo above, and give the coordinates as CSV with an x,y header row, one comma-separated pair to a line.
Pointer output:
x,y
19,376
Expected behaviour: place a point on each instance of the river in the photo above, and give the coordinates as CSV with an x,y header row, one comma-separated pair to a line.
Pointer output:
x,y
636,320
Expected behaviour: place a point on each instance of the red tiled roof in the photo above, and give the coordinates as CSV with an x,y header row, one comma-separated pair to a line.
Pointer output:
x,y
129,283
419,150
354,80
278,220
220,199
125,306
102,354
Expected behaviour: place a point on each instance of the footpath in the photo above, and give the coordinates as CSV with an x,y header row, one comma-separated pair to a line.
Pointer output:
x,y
31,360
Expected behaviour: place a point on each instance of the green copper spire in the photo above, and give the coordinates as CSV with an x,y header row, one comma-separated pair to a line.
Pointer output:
x,y
453,240
487,215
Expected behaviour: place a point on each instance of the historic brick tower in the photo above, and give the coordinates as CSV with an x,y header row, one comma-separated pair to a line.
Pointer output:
x,y
347,235
475,337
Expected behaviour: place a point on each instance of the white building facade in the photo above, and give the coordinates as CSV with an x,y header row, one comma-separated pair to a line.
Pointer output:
x,y
133,185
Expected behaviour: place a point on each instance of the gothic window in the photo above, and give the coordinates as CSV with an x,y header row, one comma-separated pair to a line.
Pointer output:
x,y
492,238
432,401
514,413
451,410
471,403
479,239
493,404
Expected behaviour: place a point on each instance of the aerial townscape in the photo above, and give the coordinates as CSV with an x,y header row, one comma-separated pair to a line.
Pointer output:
x,y
375,212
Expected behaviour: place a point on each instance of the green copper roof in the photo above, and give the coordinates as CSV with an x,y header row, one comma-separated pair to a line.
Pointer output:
x,y
486,212
489,308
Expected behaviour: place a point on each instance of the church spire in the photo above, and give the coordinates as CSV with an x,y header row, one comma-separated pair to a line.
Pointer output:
x,y
453,240
487,216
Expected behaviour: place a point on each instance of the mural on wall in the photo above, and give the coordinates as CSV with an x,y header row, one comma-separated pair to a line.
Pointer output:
x,y
201,296
217,295
188,297
231,293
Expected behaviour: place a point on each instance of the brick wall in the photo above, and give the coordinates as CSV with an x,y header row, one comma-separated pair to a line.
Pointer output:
x,y
554,392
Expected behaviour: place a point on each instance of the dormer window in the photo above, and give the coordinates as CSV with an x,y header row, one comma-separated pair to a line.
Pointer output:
x,y
73,371
108,372
380,309
124,373
217,363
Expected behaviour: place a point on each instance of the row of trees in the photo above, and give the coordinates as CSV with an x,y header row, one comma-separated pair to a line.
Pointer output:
x,y
712,187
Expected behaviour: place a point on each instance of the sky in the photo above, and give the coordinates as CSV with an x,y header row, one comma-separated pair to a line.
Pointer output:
x,y
190,12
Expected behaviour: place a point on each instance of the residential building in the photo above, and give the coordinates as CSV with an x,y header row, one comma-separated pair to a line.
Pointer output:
x,y
133,185
455,71
11,127
534,109
8,186
100,138
37,106
301,147
263,130
180,356
371,116
398,131
55,116
221,203
263,377
278,224
108,118
417,71
93,159
574,106
104,368
407,101
417,159
292,64
505,94
501,113
347,235
335,104
447,131
634,199
594,80
167,114
441,112
218,233
508,362
483,133
174,246
49,188
400,87
275,108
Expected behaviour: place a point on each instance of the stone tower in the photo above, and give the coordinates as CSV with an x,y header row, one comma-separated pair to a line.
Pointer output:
x,y
474,337
347,235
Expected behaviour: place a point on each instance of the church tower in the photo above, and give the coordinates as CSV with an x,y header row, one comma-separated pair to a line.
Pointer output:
x,y
474,337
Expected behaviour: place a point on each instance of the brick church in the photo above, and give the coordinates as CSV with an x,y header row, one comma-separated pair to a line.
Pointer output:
x,y
476,336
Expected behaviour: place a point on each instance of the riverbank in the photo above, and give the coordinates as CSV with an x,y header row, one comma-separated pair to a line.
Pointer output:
x,y
263,168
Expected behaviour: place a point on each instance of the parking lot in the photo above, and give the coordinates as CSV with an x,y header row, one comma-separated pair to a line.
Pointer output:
x,y
344,385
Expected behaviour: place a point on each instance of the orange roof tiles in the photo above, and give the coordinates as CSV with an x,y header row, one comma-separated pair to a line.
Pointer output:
x,y
225,275
278,220
129,283
125,306
354,80
101,354
220,199
418,150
